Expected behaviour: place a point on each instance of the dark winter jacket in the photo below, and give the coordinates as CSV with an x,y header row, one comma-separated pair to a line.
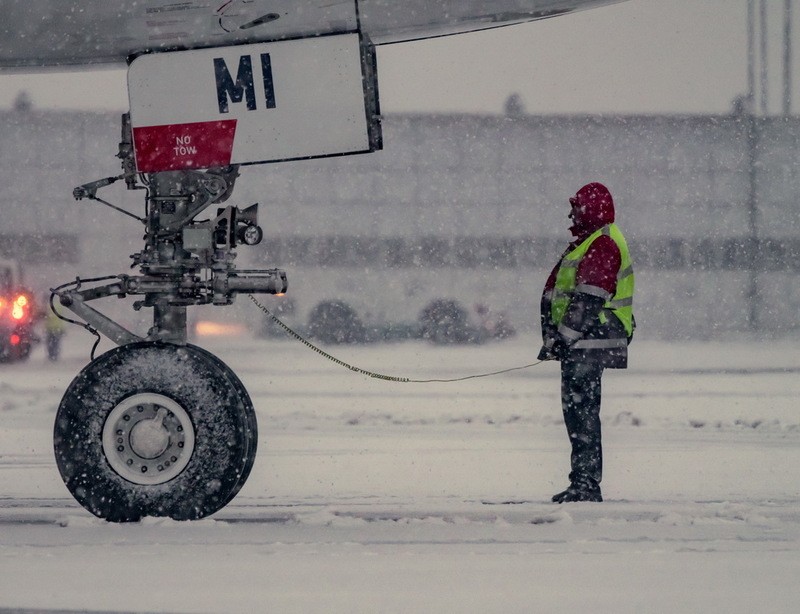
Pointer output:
x,y
592,208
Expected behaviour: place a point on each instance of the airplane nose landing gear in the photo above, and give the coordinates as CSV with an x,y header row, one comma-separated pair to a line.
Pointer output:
x,y
156,426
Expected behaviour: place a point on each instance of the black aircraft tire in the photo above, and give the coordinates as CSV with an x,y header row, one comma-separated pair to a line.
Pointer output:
x,y
154,429
251,428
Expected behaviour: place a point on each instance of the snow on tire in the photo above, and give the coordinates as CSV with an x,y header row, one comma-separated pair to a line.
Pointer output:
x,y
155,429
251,427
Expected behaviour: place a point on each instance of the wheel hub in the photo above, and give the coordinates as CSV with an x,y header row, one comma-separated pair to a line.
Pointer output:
x,y
148,438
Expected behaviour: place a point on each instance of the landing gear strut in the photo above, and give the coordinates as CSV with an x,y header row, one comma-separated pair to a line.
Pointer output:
x,y
156,426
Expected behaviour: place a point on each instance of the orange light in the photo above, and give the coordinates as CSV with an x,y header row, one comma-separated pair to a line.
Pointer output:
x,y
207,328
15,339
18,308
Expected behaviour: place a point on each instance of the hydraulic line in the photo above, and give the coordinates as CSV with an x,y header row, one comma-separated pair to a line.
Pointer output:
x,y
372,374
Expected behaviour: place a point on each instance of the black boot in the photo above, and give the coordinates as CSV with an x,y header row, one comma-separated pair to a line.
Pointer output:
x,y
579,492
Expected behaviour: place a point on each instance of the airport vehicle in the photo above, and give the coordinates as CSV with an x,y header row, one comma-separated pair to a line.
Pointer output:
x,y
158,426
17,314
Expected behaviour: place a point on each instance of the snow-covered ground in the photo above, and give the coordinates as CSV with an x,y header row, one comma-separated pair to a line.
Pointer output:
x,y
372,496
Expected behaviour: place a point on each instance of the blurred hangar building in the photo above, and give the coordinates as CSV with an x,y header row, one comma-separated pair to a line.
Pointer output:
x,y
471,208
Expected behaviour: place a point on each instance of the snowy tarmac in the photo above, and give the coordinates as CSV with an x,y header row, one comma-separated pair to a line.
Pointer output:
x,y
373,496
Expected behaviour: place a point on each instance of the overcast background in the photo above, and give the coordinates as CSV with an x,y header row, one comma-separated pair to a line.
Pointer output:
x,y
640,56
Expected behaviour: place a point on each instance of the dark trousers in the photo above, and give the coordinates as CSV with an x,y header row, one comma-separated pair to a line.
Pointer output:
x,y
580,402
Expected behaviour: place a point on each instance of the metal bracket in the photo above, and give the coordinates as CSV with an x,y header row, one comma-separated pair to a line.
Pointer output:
x,y
184,262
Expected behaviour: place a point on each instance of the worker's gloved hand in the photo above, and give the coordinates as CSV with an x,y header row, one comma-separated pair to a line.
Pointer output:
x,y
546,353
557,350
560,349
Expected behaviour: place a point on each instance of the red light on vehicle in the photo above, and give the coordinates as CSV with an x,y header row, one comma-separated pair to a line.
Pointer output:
x,y
15,339
18,308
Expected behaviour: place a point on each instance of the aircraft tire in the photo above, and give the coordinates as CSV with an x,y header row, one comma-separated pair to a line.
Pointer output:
x,y
155,429
251,428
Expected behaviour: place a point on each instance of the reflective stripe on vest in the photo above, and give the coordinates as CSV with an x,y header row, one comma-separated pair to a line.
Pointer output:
x,y
621,304
600,344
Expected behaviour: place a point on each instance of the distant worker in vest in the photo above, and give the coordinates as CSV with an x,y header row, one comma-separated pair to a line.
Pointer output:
x,y
54,331
587,324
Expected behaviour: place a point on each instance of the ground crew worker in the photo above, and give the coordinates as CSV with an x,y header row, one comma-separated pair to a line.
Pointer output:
x,y
54,330
587,324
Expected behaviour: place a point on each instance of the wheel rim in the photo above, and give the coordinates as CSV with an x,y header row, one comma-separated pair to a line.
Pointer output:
x,y
148,438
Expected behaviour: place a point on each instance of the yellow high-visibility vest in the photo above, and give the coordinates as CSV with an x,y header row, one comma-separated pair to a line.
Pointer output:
x,y
621,304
